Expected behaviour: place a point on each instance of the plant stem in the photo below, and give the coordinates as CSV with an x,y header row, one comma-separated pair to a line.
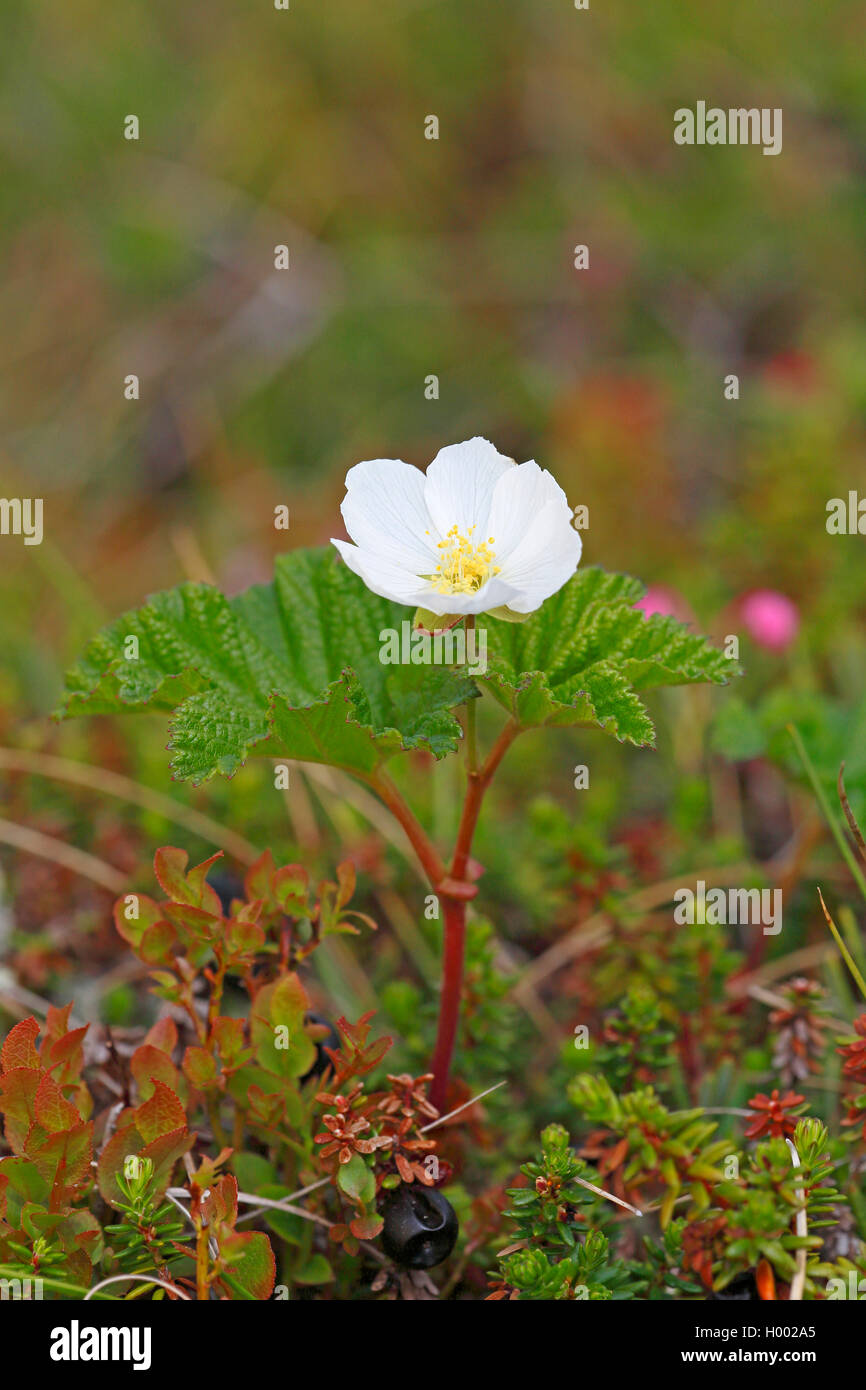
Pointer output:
x,y
431,860
453,950
201,1262
471,742
450,884
454,916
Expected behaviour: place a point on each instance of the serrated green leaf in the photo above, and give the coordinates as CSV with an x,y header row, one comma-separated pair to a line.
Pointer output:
x,y
287,669
584,655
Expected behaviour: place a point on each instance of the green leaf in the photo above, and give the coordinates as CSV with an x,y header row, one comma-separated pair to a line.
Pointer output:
x,y
252,1269
356,1180
582,658
253,1171
315,1271
287,669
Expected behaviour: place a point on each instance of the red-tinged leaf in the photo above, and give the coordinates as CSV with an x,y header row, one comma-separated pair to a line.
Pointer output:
x,y
55,1026
376,1051
291,888
133,915
194,925
19,1049
197,880
228,1037
165,1152
4,1183
24,1180
156,945
251,1263
82,1230
82,1100
250,912
243,938
64,1057
17,1095
148,1065
124,1141
207,1173
169,865
257,880
78,1268
223,1200
346,880
358,917
64,1161
265,1108
163,1035
199,1067
160,1114
366,1227
36,1221
50,1110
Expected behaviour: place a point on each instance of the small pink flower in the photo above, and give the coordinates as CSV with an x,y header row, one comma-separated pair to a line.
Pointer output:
x,y
667,602
771,619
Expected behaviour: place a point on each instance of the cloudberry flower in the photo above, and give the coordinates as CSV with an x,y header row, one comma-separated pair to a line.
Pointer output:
x,y
478,533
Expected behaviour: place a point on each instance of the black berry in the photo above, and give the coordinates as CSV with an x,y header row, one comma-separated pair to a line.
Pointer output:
x,y
420,1226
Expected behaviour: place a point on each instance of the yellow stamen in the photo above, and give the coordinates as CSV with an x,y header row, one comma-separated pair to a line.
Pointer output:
x,y
464,566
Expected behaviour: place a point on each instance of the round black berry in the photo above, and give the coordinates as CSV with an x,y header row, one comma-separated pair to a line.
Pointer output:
x,y
420,1226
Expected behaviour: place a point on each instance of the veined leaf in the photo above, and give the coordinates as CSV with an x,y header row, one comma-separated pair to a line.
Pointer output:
x,y
292,669
584,655
287,669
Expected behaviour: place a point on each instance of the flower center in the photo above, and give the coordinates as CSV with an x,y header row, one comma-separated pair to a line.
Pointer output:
x,y
464,565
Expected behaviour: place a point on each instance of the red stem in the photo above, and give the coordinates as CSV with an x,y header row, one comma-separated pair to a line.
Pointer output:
x,y
423,846
454,918
454,924
452,887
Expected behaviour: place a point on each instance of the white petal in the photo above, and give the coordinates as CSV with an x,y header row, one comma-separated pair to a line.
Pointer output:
x,y
384,577
385,514
495,594
460,484
518,498
393,582
545,559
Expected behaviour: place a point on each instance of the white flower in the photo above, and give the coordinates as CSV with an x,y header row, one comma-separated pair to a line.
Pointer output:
x,y
475,534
